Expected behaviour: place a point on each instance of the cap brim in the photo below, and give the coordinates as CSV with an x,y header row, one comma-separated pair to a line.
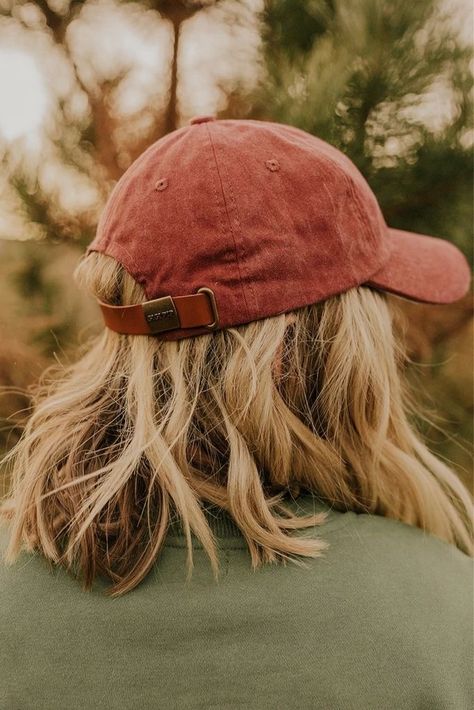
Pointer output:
x,y
423,268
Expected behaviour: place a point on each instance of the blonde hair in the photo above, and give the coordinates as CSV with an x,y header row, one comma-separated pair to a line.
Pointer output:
x,y
139,427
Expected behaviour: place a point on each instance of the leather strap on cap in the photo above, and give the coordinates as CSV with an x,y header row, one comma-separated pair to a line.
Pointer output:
x,y
163,314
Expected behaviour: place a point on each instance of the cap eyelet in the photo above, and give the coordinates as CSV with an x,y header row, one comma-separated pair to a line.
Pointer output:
x,y
273,165
161,184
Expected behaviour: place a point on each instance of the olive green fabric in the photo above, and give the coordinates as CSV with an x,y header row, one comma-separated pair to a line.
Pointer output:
x,y
383,621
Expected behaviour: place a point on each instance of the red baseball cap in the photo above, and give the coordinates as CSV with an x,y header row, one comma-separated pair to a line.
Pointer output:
x,y
224,222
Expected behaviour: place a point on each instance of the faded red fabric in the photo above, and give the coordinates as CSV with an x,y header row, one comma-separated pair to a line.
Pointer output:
x,y
270,218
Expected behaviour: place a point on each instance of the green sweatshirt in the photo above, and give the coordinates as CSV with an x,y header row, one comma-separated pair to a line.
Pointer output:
x,y
383,621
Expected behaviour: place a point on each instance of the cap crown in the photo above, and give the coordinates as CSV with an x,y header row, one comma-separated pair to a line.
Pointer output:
x,y
269,217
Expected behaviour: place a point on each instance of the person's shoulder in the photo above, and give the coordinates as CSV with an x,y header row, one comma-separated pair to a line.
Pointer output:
x,y
389,540
395,596
394,554
373,528
26,581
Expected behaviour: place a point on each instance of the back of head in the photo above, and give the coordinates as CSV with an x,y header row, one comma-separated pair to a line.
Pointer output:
x,y
141,429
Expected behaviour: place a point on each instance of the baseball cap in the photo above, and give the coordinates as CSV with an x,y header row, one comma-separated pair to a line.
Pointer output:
x,y
224,222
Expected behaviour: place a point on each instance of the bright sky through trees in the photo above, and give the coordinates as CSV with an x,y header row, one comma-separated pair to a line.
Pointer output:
x,y
22,94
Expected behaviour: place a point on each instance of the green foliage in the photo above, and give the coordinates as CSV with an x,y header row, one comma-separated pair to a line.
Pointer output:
x,y
291,26
41,293
358,75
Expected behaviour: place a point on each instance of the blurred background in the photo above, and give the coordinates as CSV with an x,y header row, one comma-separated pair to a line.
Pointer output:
x,y
85,87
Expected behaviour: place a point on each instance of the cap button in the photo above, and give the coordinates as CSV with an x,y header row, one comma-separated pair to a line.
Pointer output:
x,y
201,119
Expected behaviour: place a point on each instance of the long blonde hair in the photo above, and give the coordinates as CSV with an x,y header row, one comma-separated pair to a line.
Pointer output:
x,y
139,428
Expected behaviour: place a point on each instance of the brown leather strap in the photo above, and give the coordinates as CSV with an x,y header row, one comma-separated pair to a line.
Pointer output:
x,y
163,314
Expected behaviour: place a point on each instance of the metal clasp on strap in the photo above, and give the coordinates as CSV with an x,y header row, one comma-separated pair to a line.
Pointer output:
x,y
215,324
161,314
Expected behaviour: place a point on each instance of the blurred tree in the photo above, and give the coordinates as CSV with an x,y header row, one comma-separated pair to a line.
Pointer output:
x,y
93,143
386,81
390,84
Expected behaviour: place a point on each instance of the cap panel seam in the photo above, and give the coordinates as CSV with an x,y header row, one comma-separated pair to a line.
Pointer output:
x,y
350,183
347,179
237,260
360,208
337,226
362,217
279,177
327,160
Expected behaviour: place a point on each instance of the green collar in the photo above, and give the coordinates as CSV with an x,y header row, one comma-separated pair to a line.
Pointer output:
x,y
223,525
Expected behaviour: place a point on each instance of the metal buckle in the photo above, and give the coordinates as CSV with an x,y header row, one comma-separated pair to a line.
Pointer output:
x,y
215,324
161,314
